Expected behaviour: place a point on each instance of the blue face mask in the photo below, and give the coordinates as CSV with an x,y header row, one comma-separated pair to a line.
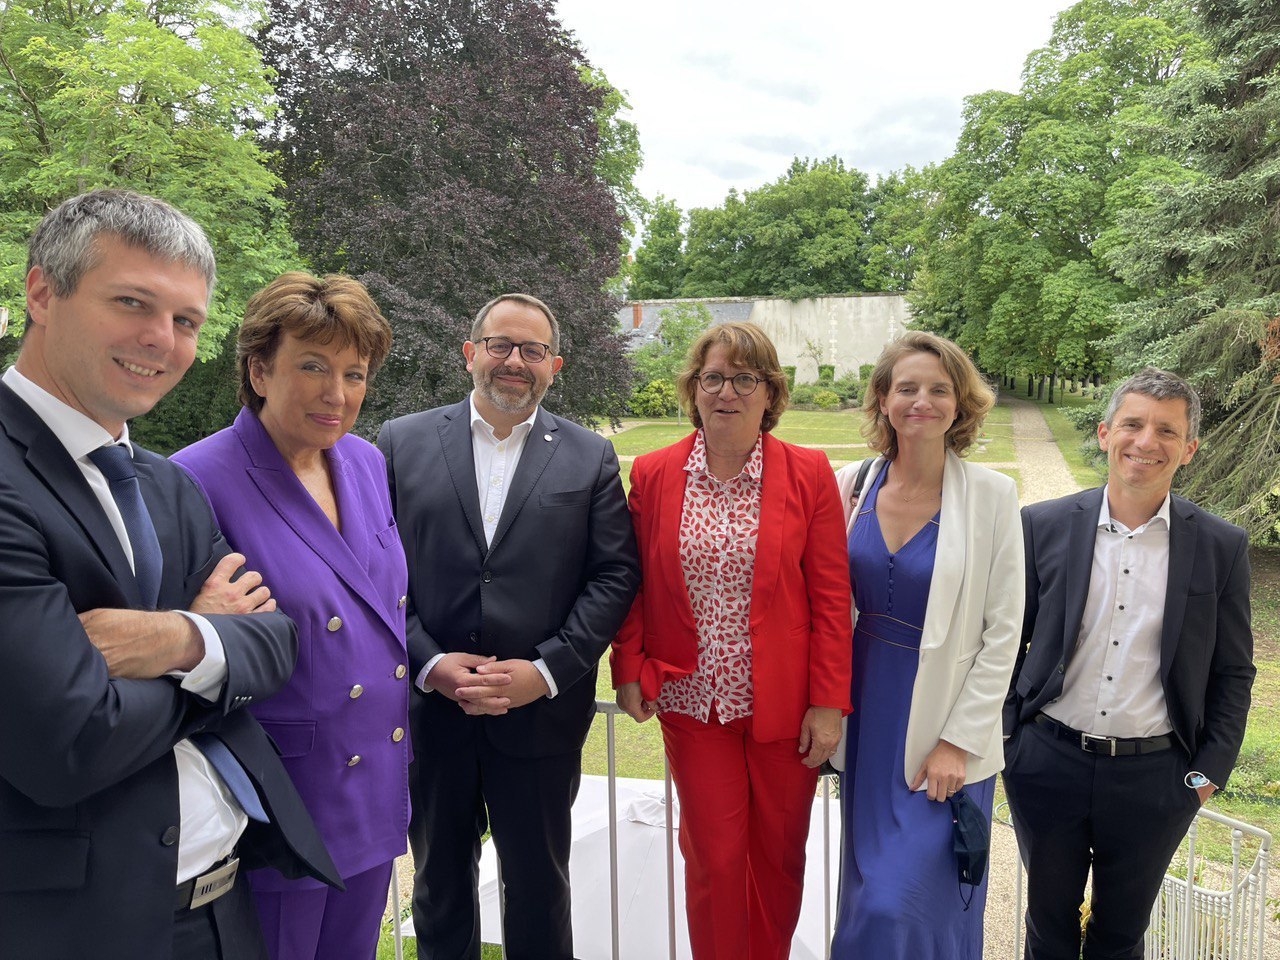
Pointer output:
x,y
971,840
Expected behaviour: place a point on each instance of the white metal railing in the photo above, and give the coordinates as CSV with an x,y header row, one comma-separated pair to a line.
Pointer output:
x,y
1189,921
1192,920
610,710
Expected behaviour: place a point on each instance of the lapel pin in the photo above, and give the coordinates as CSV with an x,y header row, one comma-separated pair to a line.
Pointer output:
x,y
546,437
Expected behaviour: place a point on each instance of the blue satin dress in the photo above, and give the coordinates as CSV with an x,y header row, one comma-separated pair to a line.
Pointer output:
x,y
899,895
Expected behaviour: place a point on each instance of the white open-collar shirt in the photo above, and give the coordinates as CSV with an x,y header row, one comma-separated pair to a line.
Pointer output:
x,y
1112,684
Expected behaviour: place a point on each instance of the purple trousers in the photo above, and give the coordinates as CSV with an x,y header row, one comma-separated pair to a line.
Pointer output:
x,y
312,923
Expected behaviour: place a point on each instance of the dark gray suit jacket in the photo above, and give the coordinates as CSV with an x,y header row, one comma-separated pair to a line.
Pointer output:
x,y
1206,648
89,817
556,582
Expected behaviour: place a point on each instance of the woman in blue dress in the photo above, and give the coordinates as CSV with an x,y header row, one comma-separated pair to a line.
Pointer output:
x,y
935,553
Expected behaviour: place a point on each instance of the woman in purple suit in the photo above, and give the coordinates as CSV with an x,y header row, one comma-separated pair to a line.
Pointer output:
x,y
308,505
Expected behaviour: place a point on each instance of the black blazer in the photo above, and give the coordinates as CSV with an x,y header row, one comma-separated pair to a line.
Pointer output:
x,y
556,582
1206,648
89,816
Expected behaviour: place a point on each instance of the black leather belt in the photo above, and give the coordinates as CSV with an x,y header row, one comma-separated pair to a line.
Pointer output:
x,y
1107,746
209,886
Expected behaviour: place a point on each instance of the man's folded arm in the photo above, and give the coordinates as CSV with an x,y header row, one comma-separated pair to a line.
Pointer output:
x,y
73,729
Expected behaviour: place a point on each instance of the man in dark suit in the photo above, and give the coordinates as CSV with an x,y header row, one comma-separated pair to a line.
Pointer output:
x,y
1129,700
129,645
522,566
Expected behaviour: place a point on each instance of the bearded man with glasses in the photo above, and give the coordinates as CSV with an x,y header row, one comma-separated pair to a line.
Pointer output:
x,y
522,566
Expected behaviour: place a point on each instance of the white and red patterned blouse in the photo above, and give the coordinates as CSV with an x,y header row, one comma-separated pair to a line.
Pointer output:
x,y
718,528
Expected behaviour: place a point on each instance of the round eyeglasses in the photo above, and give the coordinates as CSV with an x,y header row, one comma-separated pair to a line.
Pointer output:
x,y
531,351
744,384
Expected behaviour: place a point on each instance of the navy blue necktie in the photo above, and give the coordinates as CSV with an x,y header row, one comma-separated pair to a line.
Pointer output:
x,y
116,465
232,773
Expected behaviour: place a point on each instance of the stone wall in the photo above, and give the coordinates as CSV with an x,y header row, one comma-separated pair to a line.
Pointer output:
x,y
850,330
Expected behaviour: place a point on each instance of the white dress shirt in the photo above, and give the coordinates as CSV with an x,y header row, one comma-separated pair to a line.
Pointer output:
x,y
212,820
1112,684
495,462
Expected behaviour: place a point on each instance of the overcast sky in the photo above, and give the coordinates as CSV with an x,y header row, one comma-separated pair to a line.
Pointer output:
x,y
726,92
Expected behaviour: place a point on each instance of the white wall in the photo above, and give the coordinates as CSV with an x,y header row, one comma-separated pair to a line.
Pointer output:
x,y
851,330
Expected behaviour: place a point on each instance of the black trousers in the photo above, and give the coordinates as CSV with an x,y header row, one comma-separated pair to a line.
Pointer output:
x,y
525,801
1072,811
226,929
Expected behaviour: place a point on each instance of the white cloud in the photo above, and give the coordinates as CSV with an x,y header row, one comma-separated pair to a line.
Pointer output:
x,y
726,93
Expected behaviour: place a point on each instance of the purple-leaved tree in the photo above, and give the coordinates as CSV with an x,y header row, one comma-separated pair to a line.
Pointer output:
x,y
445,151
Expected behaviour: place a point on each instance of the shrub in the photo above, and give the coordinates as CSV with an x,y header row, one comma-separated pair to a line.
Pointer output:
x,y
826,399
849,387
657,398
826,372
803,394
790,371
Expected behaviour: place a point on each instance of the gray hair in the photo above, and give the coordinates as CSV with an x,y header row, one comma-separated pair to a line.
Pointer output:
x,y
63,245
1158,385
477,327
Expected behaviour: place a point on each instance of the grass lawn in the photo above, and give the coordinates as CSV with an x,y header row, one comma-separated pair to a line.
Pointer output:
x,y
838,433
1253,795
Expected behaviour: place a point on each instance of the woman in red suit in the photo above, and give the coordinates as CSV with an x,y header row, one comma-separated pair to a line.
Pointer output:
x,y
739,640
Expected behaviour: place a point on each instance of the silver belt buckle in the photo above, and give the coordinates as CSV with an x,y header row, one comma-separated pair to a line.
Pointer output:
x,y
1086,737
214,883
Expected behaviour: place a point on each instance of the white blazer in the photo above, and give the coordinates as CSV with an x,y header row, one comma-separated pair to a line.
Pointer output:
x,y
973,619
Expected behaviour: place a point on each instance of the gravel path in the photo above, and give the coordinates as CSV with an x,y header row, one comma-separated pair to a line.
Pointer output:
x,y
1044,475
1040,463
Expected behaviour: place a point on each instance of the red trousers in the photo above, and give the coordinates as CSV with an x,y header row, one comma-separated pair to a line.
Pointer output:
x,y
744,819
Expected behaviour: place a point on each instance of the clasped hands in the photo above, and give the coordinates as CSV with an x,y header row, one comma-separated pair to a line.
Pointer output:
x,y
487,685
145,644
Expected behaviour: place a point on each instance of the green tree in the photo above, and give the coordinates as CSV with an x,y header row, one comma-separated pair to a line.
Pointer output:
x,y
620,156
1030,199
715,260
1203,245
678,327
659,267
161,97
445,152
897,229
657,398
800,236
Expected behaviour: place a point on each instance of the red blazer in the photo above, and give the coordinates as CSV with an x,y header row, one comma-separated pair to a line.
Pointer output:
x,y
801,624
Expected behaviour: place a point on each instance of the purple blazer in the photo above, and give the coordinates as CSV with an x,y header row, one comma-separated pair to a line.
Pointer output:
x,y
340,722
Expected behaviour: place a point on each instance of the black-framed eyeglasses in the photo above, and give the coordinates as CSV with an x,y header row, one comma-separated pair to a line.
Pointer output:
x,y
531,351
744,384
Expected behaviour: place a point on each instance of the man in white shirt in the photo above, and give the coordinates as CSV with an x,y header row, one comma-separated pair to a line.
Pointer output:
x,y
1129,700
522,566
131,782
